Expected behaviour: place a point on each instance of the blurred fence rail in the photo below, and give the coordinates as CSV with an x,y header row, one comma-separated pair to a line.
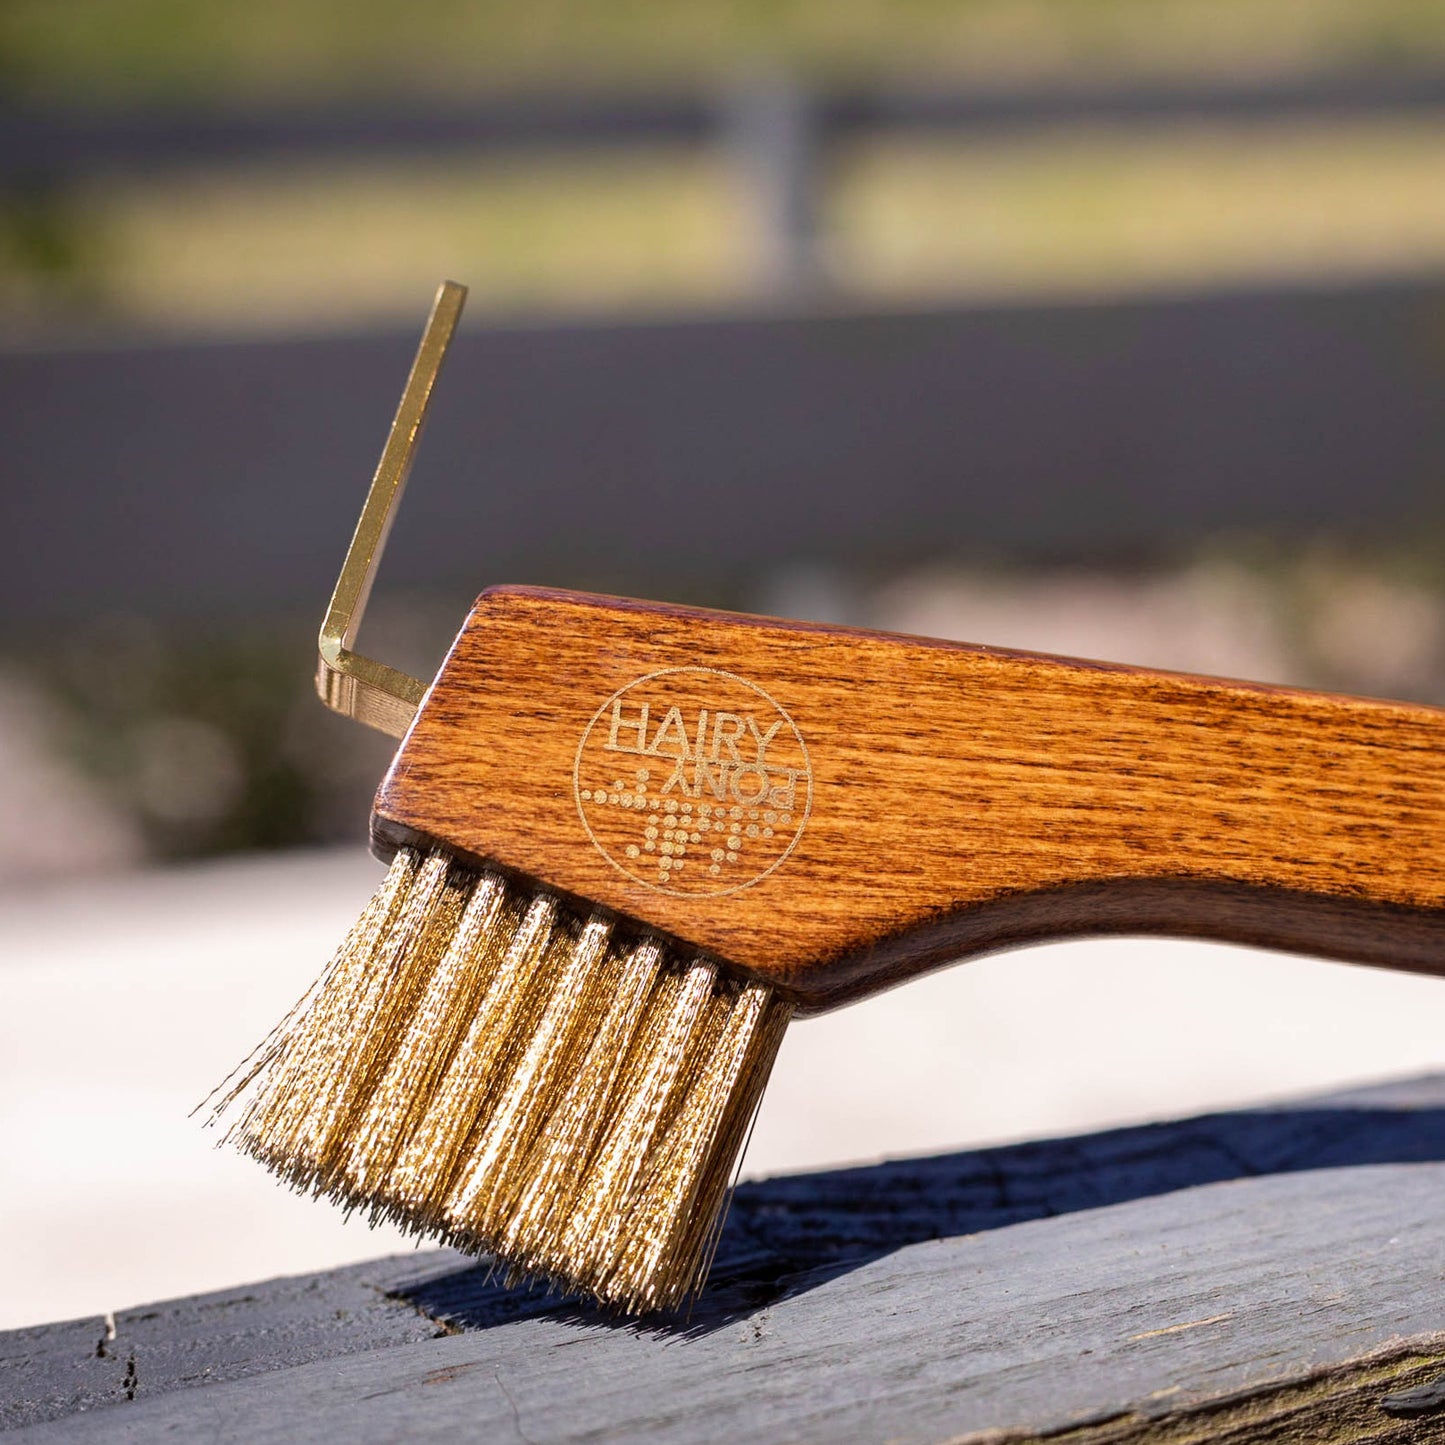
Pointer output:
x,y
184,477
47,145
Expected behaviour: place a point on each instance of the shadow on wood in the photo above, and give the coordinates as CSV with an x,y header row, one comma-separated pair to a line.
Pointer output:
x,y
788,1235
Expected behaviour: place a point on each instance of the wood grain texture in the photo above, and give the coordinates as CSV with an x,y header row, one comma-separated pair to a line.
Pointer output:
x,y
1270,1275
921,800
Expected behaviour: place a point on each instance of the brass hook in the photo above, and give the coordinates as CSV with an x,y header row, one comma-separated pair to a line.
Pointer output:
x,y
349,683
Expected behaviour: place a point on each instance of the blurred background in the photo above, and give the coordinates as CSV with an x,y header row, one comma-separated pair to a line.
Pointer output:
x,y
1107,327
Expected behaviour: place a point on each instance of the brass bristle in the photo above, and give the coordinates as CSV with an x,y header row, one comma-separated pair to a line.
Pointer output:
x,y
486,1065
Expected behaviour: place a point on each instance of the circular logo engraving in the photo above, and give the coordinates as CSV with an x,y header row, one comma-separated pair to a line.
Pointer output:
x,y
693,781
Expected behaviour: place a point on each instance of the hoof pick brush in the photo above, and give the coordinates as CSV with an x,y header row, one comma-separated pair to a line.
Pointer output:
x,y
628,841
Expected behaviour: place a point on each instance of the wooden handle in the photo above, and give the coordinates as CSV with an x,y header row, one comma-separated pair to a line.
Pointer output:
x,y
834,810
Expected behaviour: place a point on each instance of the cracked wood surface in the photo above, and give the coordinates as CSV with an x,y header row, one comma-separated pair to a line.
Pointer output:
x,y
1270,1274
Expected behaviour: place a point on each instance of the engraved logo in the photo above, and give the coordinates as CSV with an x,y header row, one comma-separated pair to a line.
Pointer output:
x,y
693,781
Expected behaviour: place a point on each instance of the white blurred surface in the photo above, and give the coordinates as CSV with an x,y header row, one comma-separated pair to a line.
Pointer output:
x,y
124,999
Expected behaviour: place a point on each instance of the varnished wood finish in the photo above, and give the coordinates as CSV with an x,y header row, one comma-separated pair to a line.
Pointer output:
x,y
963,798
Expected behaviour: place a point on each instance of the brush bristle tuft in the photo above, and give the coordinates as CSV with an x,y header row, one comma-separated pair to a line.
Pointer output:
x,y
483,1064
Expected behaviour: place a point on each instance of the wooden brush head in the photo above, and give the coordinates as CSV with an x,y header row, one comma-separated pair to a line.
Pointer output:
x,y
831,810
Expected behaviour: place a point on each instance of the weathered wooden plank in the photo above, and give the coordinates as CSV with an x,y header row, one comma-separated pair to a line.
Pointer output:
x,y
1098,1285
82,1365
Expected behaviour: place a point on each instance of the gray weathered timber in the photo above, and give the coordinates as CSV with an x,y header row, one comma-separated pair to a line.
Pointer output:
x,y
1129,1279
1148,1308
81,1365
